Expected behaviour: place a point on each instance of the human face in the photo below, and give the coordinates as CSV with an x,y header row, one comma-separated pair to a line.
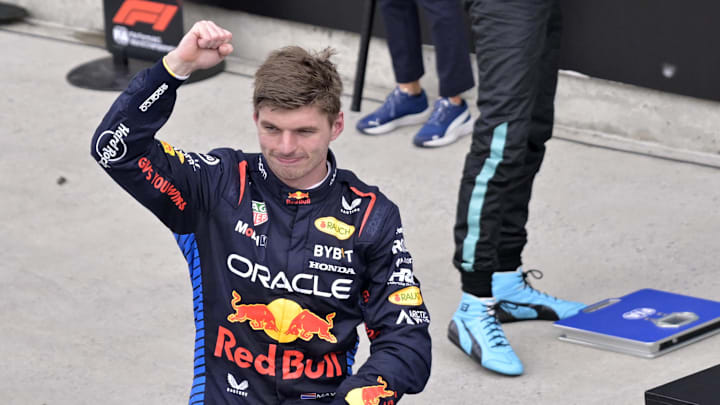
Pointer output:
x,y
295,142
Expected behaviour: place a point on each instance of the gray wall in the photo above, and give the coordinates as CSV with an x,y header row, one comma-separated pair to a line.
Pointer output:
x,y
597,111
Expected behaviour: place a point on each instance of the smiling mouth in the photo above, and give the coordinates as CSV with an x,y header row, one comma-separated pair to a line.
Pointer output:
x,y
287,161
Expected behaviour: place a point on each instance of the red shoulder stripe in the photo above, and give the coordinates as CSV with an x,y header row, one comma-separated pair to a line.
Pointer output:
x,y
242,167
369,208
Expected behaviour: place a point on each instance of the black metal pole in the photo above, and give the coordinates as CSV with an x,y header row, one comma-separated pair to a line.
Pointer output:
x,y
368,15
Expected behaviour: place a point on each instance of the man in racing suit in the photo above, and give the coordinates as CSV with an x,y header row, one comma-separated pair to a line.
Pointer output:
x,y
287,253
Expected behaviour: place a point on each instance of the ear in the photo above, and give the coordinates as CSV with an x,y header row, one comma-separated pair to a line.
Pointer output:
x,y
338,126
255,117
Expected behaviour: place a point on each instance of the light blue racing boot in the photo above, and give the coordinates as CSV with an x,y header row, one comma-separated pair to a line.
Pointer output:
x,y
476,331
519,301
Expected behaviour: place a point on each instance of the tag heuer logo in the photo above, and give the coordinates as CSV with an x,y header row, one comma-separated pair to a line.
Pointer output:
x,y
353,207
260,215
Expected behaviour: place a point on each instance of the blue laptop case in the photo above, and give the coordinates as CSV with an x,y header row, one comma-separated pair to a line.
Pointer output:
x,y
645,323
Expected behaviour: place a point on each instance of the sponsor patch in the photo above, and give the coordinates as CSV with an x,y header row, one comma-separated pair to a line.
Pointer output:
x,y
332,252
398,246
153,97
110,145
413,317
170,150
370,395
312,264
294,363
209,160
298,198
260,215
402,277
283,320
303,283
316,395
261,167
161,184
335,227
409,296
243,229
350,208
237,388
183,156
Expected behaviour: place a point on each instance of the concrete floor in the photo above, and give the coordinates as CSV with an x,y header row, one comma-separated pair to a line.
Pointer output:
x,y
96,301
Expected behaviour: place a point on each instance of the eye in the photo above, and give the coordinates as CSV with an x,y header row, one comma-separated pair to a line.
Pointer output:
x,y
306,131
270,128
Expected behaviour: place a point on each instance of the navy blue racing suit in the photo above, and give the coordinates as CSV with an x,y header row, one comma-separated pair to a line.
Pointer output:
x,y
281,277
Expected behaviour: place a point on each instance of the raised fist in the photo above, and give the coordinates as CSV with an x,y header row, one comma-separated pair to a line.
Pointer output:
x,y
204,46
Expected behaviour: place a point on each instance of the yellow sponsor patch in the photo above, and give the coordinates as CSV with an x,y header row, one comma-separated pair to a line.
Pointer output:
x,y
409,296
170,150
333,226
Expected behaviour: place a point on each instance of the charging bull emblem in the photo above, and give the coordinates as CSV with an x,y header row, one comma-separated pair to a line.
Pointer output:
x,y
305,324
370,395
260,317
297,322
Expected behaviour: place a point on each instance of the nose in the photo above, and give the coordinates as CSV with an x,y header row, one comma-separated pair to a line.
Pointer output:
x,y
287,143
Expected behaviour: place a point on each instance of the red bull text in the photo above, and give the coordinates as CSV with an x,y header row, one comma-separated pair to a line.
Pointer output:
x,y
294,363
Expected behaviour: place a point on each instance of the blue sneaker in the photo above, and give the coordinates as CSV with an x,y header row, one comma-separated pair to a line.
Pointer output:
x,y
399,109
446,125
476,331
519,301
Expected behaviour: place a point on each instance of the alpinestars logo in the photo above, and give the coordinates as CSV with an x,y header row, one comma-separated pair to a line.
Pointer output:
x,y
235,387
352,208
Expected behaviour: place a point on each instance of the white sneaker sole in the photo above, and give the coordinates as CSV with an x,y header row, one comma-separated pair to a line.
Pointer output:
x,y
411,119
457,129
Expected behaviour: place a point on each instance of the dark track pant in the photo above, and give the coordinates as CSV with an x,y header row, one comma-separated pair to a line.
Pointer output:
x,y
449,36
517,44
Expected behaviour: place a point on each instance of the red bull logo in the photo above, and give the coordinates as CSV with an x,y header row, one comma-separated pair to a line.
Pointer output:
x,y
295,321
258,315
298,198
306,324
298,195
294,363
370,395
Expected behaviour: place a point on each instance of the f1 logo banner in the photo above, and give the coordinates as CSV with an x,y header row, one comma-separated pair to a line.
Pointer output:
x,y
134,11
143,29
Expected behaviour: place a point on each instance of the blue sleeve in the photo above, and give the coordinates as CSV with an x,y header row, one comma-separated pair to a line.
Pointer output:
x,y
175,185
396,319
